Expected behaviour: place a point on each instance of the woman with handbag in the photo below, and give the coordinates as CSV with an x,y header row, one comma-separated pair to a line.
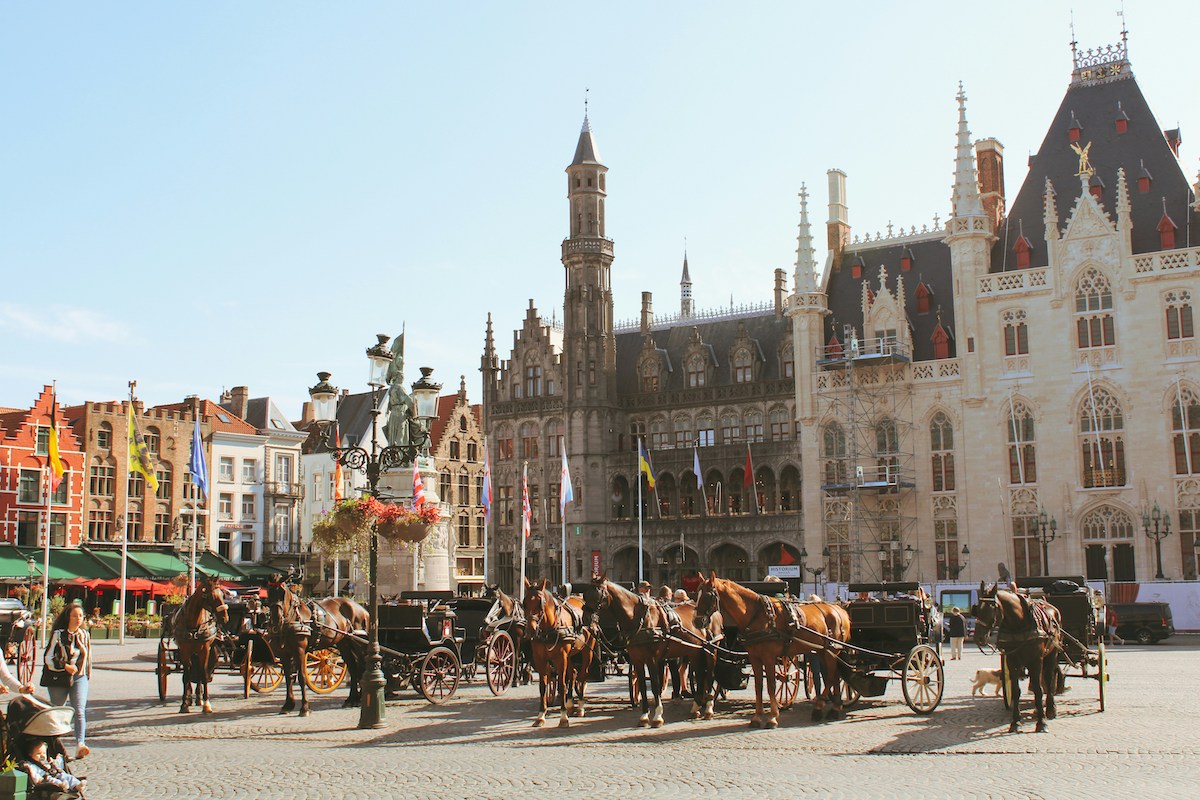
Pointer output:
x,y
67,668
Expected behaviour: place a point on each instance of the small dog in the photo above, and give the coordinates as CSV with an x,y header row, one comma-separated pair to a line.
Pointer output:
x,y
984,677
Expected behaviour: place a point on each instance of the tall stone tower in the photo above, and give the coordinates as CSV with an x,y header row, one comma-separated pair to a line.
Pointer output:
x,y
685,292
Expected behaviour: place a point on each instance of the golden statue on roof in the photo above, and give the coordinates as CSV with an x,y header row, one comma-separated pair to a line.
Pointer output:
x,y
1085,166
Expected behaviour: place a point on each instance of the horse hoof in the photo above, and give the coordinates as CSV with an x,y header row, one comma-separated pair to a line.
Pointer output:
x,y
1041,728
564,723
1051,713
537,723
695,714
207,709
305,712
644,722
706,715
1013,729
184,710
656,723
755,722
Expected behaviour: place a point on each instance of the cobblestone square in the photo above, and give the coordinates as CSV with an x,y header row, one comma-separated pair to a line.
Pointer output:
x,y
478,746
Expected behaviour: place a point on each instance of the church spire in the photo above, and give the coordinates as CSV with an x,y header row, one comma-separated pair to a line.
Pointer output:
x,y
966,199
805,278
685,290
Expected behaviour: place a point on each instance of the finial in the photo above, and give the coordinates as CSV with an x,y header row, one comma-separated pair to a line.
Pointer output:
x,y
1073,41
586,125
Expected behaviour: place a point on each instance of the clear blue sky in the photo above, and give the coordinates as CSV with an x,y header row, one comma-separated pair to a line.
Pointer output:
x,y
211,194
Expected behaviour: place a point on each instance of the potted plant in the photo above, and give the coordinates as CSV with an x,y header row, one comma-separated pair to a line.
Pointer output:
x,y
400,524
14,783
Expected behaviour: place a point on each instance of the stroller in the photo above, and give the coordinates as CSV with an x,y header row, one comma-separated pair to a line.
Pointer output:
x,y
28,721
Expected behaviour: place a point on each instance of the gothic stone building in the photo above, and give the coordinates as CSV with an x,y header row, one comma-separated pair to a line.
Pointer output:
x,y
1015,389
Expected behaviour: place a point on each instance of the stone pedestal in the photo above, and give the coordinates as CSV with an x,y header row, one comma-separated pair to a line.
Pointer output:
x,y
433,556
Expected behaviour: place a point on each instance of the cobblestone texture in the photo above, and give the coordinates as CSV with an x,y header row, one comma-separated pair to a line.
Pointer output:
x,y
483,747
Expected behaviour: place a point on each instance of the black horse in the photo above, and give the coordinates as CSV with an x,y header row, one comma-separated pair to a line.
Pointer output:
x,y
1030,640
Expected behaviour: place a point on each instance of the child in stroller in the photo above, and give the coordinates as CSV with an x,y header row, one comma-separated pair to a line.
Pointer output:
x,y
33,742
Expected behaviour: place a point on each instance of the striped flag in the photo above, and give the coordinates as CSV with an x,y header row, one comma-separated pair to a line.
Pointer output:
x,y
56,466
338,480
486,499
418,488
197,465
748,477
526,514
565,494
139,452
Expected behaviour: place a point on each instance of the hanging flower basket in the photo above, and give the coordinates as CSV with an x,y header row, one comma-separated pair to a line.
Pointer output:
x,y
400,524
331,537
351,515
403,531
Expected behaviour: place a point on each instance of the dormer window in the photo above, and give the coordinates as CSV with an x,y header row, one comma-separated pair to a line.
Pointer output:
x,y
906,260
856,269
1144,179
923,295
743,367
1122,121
696,369
1096,186
1166,230
941,342
1073,130
834,348
1022,248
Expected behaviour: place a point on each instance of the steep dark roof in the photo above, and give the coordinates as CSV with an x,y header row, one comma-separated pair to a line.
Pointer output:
x,y
586,151
1095,107
718,336
930,265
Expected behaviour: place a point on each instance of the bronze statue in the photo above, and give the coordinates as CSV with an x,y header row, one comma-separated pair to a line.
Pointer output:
x,y
401,408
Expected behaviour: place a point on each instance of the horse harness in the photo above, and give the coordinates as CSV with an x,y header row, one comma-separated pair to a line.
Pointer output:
x,y
648,633
204,631
792,626
1043,626
559,634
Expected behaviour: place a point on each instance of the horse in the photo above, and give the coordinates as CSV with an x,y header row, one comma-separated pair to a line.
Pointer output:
x,y
562,648
1029,639
654,632
296,627
771,629
194,629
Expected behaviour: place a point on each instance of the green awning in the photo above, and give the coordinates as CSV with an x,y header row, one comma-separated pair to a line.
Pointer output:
x,y
160,565
111,559
259,571
14,565
211,563
69,563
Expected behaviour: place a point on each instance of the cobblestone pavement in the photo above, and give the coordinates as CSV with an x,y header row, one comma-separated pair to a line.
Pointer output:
x,y
478,746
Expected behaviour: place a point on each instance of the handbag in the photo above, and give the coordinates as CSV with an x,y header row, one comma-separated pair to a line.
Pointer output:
x,y
57,678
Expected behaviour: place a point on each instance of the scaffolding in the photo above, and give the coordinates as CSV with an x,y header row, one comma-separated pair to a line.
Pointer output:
x,y
868,475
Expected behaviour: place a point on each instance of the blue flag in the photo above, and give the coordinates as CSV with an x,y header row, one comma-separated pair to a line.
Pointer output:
x,y
565,493
196,465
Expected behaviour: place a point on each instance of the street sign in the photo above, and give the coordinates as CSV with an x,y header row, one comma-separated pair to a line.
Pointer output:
x,y
784,570
578,530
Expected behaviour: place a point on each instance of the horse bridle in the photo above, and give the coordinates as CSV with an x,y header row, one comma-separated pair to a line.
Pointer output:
x,y
210,604
543,634
708,593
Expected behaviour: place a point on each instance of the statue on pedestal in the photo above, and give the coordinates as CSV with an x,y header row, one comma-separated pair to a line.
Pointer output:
x,y
401,408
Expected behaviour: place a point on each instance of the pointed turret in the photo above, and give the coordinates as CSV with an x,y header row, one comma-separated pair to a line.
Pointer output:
x,y
586,151
1050,212
805,277
966,199
685,291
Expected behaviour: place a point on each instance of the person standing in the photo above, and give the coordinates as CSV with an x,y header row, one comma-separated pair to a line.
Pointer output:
x,y
68,667
956,623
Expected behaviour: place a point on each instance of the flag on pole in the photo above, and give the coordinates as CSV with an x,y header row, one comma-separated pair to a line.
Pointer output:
x,y
565,494
139,452
418,488
644,465
699,474
748,477
197,465
338,491
486,499
526,514
56,466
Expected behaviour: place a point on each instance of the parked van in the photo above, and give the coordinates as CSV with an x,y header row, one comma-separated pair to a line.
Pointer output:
x,y
1145,623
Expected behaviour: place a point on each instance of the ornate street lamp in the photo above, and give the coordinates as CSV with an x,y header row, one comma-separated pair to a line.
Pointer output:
x,y
962,564
1162,529
1046,531
373,462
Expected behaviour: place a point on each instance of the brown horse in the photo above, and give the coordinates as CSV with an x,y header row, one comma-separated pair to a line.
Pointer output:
x,y
771,629
297,627
1029,639
194,629
654,632
562,648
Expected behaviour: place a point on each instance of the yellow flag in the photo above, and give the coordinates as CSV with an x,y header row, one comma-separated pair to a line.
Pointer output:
x,y
56,465
139,453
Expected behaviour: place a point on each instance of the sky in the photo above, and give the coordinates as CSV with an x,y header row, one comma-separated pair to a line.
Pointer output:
x,y
198,196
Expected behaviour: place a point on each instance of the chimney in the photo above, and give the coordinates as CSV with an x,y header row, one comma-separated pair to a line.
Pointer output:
x,y
838,226
239,398
306,413
647,313
780,292
989,159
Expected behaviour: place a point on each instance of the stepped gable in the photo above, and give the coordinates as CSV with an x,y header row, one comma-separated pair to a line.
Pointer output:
x,y
929,264
718,337
212,414
1093,105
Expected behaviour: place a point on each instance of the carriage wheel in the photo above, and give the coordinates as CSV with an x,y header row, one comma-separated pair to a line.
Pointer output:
x,y
922,679
163,670
1102,672
260,674
787,679
500,662
1005,686
324,670
26,654
810,684
440,672
850,695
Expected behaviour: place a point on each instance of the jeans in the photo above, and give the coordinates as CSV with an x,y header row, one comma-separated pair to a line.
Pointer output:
x,y
77,696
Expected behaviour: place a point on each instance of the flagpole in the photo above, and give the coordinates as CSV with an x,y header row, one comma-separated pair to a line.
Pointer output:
x,y
524,489
125,519
195,509
641,576
46,556
563,516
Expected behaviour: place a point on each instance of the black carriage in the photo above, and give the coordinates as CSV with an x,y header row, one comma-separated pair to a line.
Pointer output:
x,y
250,650
19,636
894,636
493,641
1082,614
421,645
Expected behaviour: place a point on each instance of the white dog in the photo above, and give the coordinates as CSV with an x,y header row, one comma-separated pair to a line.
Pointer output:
x,y
984,677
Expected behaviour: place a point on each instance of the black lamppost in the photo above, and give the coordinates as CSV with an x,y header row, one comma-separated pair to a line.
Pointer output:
x,y
373,462
816,572
962,564
1162,529
1045,536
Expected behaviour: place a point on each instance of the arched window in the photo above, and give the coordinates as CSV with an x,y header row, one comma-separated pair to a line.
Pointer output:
x,y
1016,333
731,429
1185,431
941,448
833,454
462,423
620,498
743,366
789,489
764,489
887,446
1022,449
1093,311
533,380
504,443
664,488
464,487
754,426
529,440
650,375
696,369
660,435
714,492
683,432
444,485
104,436
787,361
554,438
153,440
1108,540
705,431
781,425
689,490
1179,315
1100,429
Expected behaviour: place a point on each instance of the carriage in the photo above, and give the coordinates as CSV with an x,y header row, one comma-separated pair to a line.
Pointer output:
x,y
894,636
17,632
1082,654
420,645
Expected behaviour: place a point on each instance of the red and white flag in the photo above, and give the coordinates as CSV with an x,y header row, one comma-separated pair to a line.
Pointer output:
x,y
526,515
418,488
748,478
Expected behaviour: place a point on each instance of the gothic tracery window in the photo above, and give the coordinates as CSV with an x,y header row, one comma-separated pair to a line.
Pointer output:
x,y
1101,426
1094,324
